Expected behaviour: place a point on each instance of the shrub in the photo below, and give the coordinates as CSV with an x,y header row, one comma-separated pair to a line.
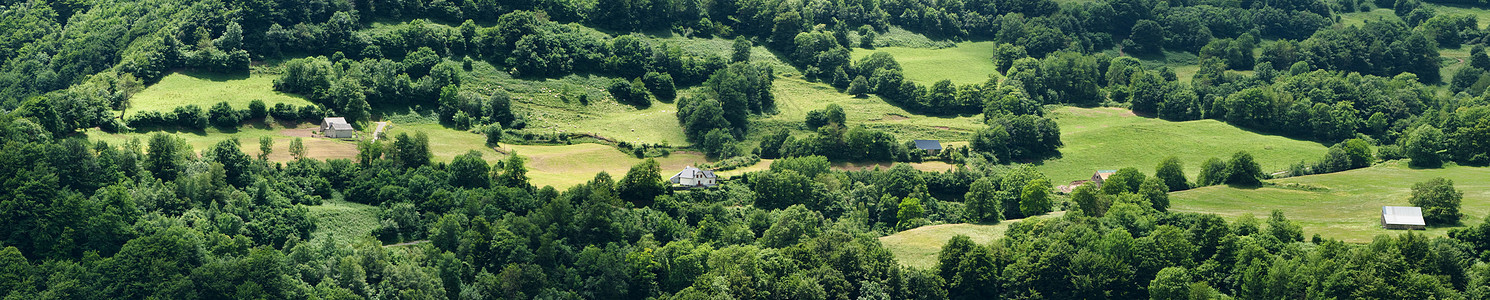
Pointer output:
x,y
223,115
191,116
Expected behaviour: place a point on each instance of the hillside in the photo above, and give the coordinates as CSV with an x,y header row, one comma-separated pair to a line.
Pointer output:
x,y
918,247
1113,138
1345,205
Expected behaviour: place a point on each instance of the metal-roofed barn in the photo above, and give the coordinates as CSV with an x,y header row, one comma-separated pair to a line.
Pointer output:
x,y
932,147
1402,217
337,128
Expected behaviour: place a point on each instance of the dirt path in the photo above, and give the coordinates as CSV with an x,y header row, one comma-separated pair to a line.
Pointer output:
x,y
407,244
379,131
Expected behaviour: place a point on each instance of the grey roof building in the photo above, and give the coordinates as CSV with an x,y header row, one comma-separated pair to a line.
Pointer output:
x,y
1402,217
930,146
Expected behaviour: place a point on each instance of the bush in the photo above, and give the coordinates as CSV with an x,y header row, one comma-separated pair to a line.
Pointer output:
x,y
1390,152
191,116
257,110
1243,170
223,115
493,133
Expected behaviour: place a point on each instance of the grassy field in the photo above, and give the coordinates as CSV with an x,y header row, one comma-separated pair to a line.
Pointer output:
x,y
1360,18
796,97
569,165
918,247
343,222
1345,205
248,139
967,63
1113,138
206,89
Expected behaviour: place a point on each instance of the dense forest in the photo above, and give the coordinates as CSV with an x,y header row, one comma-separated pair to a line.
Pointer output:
x,y
156,218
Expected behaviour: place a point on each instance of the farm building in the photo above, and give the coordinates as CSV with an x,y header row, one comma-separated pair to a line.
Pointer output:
x,y
694,177
1101,176
337,128
1402,217
932,147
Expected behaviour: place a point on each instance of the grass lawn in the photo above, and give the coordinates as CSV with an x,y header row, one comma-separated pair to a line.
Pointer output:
x,y
1345,205
1113,138
967,63
248,139
343,222
206,89
918,247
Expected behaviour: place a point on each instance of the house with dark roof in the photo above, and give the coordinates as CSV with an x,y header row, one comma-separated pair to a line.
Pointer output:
x,y
1402,217
694,177
337,128
932,147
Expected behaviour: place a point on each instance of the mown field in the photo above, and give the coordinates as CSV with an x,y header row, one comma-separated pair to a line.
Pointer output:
x,y
248,139
206,89
918,247
1113,138
1345,205
967,63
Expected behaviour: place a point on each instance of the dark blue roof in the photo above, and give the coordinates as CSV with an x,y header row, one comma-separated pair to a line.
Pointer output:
x,y
928,145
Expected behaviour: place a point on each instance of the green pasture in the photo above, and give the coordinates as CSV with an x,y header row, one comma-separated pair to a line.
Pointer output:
x,y
1113,138
1345,205
918,247
343,222
206,89
967,63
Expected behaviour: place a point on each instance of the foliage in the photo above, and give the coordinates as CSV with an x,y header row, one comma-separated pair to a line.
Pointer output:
x,y
1439,200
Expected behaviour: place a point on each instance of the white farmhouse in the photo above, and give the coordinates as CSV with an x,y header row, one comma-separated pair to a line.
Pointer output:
x,y
694,177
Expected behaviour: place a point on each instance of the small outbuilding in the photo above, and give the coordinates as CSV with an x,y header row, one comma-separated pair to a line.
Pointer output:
x,y
694,177
1101,176
337,128
1402,217
932,147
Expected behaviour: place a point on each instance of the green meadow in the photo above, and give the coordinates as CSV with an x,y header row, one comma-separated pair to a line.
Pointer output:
x,y
1114,138
1345,205
206,89
967,63
343,222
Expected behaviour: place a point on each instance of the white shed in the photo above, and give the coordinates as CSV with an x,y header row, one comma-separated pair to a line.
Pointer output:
x,y
694,177
1402,217
337,128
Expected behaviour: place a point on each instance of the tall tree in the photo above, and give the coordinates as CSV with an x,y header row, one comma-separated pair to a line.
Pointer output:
x,y
266,146
1172,171
642,183
1035,199
1439,200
